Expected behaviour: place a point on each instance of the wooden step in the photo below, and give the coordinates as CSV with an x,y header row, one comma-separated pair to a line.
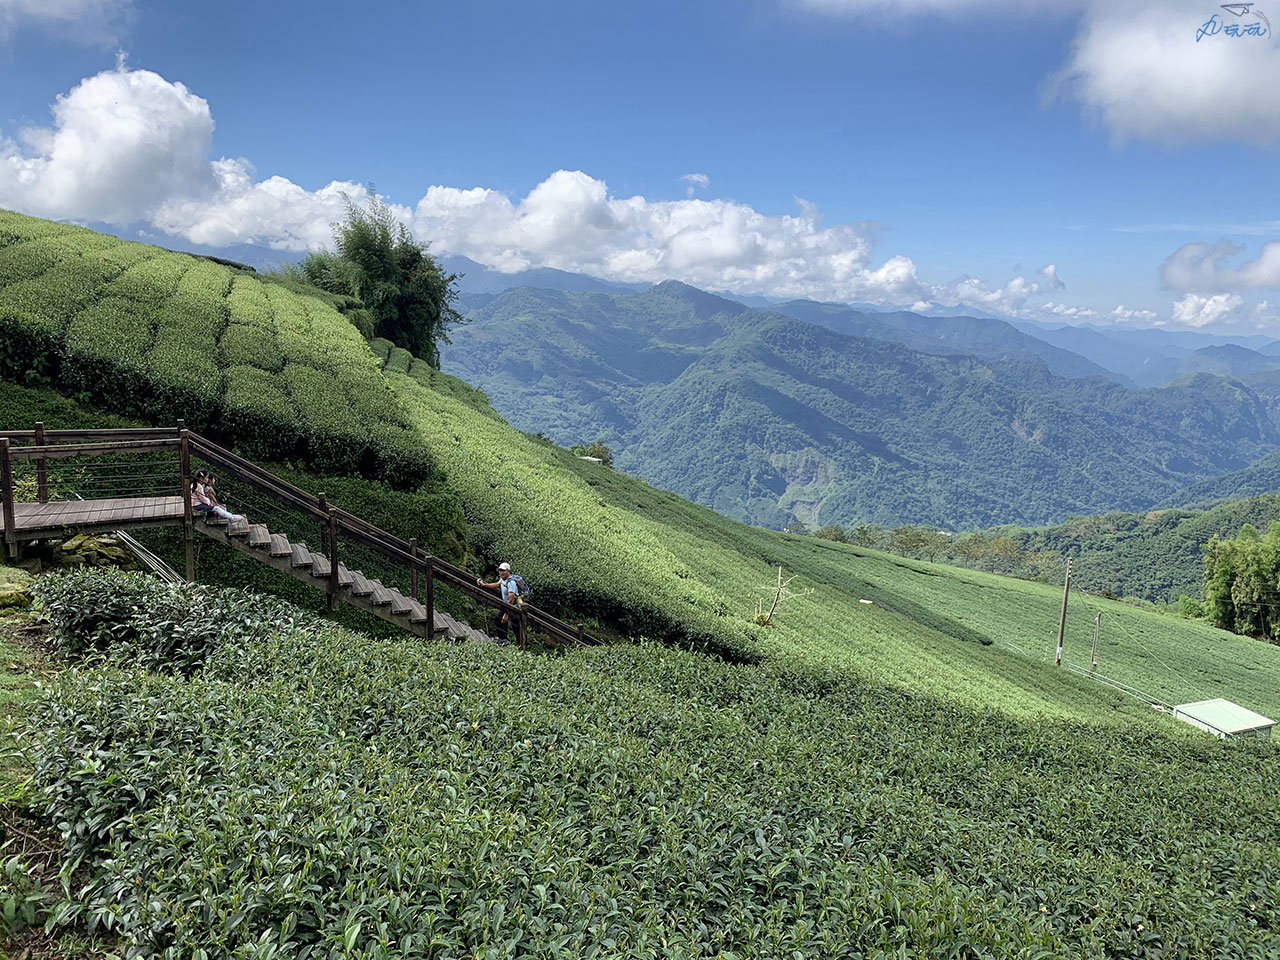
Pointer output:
x,y
214,520
417,612
280,546
259,535
299,556
238,528
400,604
360,587
344,576
381,595
320,566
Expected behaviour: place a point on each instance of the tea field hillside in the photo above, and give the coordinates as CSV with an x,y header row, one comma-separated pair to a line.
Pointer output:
x,y
597,545
302,791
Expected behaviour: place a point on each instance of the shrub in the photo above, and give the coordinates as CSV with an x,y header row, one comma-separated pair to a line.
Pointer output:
x,y
243,344
381,348
259,415
149,281
398,360
30,346
248,303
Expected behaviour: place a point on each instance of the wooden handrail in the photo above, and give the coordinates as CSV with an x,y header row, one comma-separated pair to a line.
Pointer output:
x,y
61,450
113,433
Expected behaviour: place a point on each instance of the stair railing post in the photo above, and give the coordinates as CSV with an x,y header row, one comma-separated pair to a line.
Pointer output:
x,y
6,490
413,568
42,467
324,525
184,470
333,560
430,598
521,630
581,633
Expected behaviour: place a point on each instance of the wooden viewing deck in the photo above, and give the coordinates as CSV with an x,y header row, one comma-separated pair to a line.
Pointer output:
x,y
32,521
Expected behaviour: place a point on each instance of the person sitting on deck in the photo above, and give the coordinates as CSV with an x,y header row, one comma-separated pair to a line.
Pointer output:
x,y
204,498
512,590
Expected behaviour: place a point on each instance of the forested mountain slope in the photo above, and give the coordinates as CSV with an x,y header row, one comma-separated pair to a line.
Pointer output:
x,y
968,336
767,418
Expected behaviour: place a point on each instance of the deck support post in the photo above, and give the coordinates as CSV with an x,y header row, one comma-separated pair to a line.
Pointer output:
x,y
413,568
333,560
184,470
430,599
6,491
42,467
323,504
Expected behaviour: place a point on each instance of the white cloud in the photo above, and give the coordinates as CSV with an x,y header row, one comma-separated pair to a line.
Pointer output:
x,y
694,182
84,21
1138,64
1067,312
572,222
1197,310
1141,67
1203,267
1125,313
275,212
122,143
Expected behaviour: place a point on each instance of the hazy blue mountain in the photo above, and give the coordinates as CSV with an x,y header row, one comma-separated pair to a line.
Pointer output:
x,y
477,278
1229,360
765,417
972,336
1257,479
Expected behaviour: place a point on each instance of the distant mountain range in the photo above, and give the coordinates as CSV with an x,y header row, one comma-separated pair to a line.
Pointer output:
x,y
767,417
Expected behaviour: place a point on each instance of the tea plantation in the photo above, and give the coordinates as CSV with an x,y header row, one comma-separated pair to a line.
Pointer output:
x,y
291,789
908,776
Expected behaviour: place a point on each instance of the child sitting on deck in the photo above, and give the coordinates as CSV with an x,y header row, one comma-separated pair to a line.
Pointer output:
x,y
204,499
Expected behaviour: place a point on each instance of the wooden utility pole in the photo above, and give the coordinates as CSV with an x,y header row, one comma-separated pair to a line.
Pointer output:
x,y
1062,624
1093,657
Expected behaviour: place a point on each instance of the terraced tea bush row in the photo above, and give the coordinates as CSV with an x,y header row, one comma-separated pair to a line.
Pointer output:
x,y
165,336
312,792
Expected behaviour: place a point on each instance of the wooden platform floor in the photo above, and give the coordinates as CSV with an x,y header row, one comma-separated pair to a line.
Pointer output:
x,y
30,518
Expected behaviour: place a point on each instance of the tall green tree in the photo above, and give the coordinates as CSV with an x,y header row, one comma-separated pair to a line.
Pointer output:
x,y
376,259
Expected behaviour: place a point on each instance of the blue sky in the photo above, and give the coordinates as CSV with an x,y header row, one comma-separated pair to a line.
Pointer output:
x,y
928,138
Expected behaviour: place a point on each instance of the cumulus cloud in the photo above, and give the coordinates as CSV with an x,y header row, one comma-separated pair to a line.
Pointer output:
x,y
84,21
572,222
1139,64
1198,310
1203,267
275,212
1141,67
122,143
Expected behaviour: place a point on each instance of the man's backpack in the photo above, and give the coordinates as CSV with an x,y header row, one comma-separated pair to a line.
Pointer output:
x,y
524,593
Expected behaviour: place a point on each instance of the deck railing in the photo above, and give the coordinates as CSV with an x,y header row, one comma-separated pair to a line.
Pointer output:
x,y
332,522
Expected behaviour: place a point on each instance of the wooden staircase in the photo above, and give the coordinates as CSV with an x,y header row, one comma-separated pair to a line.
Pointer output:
x,y
299,562
158,464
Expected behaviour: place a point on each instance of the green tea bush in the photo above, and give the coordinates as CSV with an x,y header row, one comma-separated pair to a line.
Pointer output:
x,y
381,347
248,302
151,281
259,415
29,345
243,344
313,792
399,360
136,619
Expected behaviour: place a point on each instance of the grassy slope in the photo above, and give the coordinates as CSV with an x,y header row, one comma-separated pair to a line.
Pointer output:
x,y
976,637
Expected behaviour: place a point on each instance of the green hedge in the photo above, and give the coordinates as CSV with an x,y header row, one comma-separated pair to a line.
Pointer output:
x,y
246,344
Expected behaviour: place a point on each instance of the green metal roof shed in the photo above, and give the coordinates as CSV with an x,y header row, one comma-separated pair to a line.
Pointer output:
x,y
1224,719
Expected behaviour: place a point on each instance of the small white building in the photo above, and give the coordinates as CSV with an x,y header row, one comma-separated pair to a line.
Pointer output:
x,y
1224,719
592,459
